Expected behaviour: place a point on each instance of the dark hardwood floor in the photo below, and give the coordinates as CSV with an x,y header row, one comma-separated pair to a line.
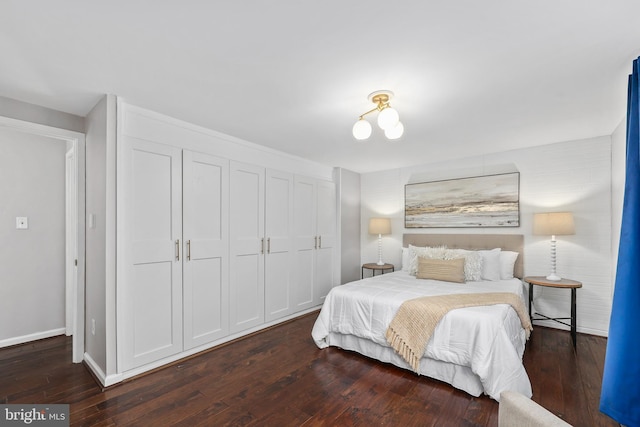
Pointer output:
x,y
280,378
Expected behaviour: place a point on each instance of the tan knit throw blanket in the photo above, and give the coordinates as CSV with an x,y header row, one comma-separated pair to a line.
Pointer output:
x,y
415,321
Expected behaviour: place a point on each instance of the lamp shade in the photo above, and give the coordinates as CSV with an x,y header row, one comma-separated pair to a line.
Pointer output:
x,y
395,132
388,118
361,130
553,224
379,226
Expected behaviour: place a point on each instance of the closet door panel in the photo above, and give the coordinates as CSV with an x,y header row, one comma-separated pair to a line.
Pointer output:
x,y
304,218
247,246
152,294
205,315
205,252
323,274
277,286
326,208
326,229
279,254
305,272
247,310
153,326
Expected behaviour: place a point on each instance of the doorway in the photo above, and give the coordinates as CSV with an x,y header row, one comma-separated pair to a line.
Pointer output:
x,y
74,223
71,238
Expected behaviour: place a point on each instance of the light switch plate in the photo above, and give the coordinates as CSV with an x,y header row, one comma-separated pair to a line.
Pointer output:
x,y
22,222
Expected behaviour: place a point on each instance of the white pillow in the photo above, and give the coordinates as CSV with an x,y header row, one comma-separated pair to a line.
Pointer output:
x,y
490,264
472,263
507,263
405,259
426,252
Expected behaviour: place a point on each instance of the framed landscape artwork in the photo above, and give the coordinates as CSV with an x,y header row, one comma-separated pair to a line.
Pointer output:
x,y
482,201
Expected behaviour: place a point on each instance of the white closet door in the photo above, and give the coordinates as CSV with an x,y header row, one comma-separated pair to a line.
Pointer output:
x,y
326,230
279,246
152,293
304,219
206,248
247,246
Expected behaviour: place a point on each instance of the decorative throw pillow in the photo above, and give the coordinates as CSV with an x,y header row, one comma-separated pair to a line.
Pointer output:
x,y
440,269
507,264
472,263
490,264
436,252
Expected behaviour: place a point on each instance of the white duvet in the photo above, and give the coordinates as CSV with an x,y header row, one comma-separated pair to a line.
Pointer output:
x,y
488,341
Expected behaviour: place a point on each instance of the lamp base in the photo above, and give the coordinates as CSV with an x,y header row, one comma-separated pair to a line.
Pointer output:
x,y
554,277
380,262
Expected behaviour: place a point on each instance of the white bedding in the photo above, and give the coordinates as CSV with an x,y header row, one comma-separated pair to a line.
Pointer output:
x,y
476,349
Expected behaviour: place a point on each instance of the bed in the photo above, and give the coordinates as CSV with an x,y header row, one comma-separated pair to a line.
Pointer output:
x,y
475,349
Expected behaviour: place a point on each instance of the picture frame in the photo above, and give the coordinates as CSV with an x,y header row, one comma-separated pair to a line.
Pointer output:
x,y
481,201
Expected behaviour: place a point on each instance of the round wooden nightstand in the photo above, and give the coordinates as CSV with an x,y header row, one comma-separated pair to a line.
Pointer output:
x,y
562,283
375,267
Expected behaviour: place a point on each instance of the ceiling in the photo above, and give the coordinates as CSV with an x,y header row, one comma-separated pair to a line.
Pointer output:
x,y
469,77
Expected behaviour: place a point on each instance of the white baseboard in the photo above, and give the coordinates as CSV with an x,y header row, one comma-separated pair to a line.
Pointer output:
x,y
112,379
105,380
93,366
32,337
591,331
579,329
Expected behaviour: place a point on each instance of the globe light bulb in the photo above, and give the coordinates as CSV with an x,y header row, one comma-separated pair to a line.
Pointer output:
x,y
361,129
388,118
395,132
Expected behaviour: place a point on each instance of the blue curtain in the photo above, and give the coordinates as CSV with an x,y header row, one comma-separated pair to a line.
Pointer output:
x,y
620,397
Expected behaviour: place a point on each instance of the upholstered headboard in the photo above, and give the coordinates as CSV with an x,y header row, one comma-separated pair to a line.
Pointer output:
x,y
508,242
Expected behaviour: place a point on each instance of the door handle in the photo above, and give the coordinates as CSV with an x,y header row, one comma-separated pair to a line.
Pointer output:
x,y
315,242
269,245
262,245
188,250
178,250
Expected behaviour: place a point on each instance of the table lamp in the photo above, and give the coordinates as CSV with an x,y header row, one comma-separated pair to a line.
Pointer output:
x,y
554,224
380,226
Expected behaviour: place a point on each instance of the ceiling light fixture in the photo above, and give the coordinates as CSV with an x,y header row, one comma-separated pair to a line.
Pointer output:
x,y
388,118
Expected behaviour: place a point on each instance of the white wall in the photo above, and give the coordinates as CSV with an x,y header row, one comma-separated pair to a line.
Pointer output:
x,y
618,168
349,214
100,235
32,270
36,114
136,122
95,342
573,176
